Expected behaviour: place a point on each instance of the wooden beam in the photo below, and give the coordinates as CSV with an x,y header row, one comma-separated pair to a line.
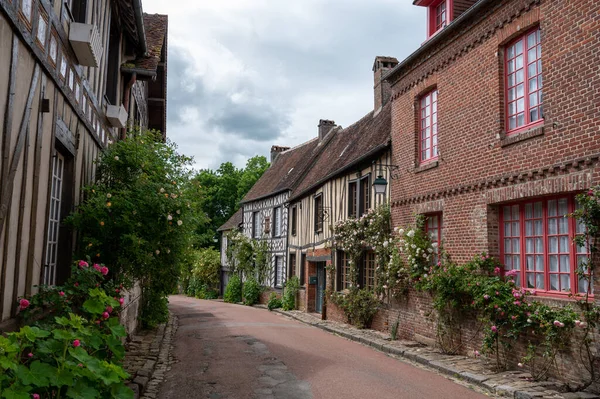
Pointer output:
x,y
7,185
39,140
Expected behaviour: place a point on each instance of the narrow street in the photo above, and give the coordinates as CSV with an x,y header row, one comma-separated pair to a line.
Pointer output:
x,y
225,351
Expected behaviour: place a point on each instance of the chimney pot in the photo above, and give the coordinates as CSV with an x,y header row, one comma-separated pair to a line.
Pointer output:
x,y
276,150
325,126
382,88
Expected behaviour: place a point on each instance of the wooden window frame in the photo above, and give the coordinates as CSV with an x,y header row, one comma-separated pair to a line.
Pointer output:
x,y
438,239
28,21
368,269
353,199
302,270
53,37
433,119
572,247
279,275
432,14
292,265
294,220
364,194
343,271
527,92
42,16
255,224
318,200
277,222
63,58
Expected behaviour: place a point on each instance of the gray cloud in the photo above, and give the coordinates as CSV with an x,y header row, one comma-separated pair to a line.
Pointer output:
x,y
246,74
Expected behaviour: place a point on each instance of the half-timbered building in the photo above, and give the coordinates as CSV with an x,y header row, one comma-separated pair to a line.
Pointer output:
x,y
233,224
338,186
66,92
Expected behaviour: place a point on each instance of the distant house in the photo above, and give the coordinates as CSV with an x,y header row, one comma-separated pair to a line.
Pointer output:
x,y
234,223
265,207
74,75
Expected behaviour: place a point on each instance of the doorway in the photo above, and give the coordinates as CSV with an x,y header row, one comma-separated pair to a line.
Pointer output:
x,y
320,287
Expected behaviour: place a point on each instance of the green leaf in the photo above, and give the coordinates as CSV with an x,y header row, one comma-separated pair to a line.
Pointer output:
x,y
16,393
49,346
94,306
121,391
81,355
64,377
7,363
118,331
31,333
63,335
82,390
37,374
116,346
95,341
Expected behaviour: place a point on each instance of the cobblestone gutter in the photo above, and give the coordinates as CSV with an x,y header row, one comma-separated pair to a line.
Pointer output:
x,y
514,384
149,357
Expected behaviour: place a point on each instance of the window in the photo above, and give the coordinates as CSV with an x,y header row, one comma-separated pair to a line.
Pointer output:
x,y
63,66
352,199
292,271
359,196
319,215
433,227
53,53
428,134
256,224
71,78
54,219
369,271
524,82
537,242
279,271
277,222
294,219
267,225
77,92
439,16
344,271
365,195
26,11
42,28
78,9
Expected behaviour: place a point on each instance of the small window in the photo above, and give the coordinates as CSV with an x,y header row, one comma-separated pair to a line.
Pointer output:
x,y
292,271
294,218
302,270
77,92
523,72
53,53
352,199
319,215
439,16
267,225
344,271
26,11
433,227
369,271
71,79
78,10
42,29
63,66
277,222
365,195
428,133
279,276
256,224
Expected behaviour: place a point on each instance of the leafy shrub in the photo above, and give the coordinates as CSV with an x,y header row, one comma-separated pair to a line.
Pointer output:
x,y
289,293
73,345
251,292
233,291
359,305
274,301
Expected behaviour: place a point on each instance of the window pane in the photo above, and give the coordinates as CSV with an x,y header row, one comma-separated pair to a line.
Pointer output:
x,y
533,99
534,115
539,245
519,47
528,211
516,262
515,214
519,62
553,245
531,54
539,281
554,282
530,280
520,119
520,104
539,263
564,263
529,229
520,76
565,282
529,247
563,208
538,227
553,263
515,229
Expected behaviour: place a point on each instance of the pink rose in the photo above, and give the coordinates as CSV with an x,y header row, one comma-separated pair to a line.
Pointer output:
x,y
30,355
35,396
62,293
591,193
558,323
117,290
511,273
80,365
494,329
121,301
105,315
76,343
109,309
76,284
23,304
476,353
486,297
497,270
513,317
104,270
83,264
97,266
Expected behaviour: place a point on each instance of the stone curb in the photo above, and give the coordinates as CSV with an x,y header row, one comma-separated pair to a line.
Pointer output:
x,y
496,384
157,361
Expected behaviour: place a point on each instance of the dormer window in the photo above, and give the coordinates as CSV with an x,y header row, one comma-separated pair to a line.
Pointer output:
x,y
439,16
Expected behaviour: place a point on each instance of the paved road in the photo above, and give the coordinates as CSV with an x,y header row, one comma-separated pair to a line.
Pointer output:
x,y
225,351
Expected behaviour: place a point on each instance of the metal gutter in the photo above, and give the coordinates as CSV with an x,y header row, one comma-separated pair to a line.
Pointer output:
x,y
454,25
139,21
139,71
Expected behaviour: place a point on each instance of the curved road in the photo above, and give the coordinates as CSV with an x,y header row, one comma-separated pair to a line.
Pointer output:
x,y
225,351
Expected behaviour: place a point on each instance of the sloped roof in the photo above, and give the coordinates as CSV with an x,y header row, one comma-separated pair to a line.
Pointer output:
x,y
233,221
347,147
156,30
283,174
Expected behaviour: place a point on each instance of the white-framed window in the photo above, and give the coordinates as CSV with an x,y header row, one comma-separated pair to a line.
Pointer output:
x,y
27,9
277,222
58,167
256,225
42,28
53,53
63,65
279,275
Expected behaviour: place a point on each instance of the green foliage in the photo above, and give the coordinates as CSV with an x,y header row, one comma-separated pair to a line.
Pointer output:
x,y
222,191
274,301
140,216
248,257
289,293
204,277
73,344
417,248
359,304
251,291
394,332
233,291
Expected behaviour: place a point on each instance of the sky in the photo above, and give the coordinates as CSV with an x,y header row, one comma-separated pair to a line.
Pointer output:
x,y
244,75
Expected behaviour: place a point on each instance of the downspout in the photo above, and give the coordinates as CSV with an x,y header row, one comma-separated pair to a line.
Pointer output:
x,y
139,21
126,97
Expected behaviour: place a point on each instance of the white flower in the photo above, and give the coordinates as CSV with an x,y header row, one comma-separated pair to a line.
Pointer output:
x,y
169,217
179,222
396,229
413,246
385,287
109,195
425,275
434,245
411,233
162,190
430,250
157,252
401,231
116,158
178,212
168,251
529,321
385,244
520,364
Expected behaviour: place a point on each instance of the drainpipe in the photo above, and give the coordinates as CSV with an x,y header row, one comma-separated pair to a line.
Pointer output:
x,y
126,97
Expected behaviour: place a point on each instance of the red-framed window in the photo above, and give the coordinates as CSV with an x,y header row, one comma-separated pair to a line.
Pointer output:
x,y
428,127
439,16
369,267
536,240
433,227
523,74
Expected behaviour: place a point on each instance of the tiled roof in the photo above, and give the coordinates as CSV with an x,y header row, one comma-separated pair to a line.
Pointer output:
x,y
347,147
156,29
284,173
233,221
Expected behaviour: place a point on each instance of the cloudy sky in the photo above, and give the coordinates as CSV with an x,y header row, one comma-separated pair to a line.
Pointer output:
x,y
247,74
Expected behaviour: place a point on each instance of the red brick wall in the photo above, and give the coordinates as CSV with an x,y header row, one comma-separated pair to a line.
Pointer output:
x,y
264,296
479,167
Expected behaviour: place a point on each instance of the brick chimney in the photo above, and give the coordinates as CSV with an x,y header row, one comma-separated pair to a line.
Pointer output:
x,y
382,89
324,127
276,150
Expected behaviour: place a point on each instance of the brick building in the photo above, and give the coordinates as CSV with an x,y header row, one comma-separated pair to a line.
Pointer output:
x,y
495,128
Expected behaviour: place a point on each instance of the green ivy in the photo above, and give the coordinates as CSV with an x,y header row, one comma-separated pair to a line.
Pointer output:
x,y
292,286
251,291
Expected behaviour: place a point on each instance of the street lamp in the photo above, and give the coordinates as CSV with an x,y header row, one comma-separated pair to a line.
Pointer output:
x,y
380,183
